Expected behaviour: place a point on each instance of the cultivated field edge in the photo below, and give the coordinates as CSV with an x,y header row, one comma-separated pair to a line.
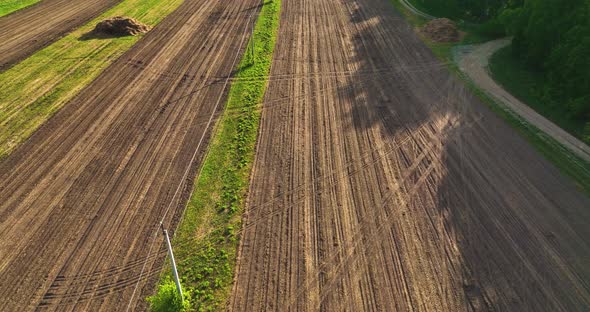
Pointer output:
x,y
206,241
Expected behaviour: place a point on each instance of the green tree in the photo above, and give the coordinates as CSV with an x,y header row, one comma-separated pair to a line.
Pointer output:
x,y
554,37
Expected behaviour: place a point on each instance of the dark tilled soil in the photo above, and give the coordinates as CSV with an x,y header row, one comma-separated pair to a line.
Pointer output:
x,y
83,197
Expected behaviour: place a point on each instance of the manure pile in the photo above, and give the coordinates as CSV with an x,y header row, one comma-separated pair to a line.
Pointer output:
x,y
441,30
121,26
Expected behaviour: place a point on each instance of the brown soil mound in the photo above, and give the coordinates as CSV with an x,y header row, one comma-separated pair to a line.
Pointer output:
x,y
120,26
441,30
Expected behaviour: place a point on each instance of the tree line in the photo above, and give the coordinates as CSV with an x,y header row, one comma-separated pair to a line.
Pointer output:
x,y
468,10
554,37
551,36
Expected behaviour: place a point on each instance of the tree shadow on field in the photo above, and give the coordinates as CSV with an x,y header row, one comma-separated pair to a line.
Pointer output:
x,y
498,227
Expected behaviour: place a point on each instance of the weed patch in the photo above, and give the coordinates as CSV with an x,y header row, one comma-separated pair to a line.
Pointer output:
x,y
167,298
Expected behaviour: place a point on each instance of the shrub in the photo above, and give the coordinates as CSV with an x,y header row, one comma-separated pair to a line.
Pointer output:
x,y
167,298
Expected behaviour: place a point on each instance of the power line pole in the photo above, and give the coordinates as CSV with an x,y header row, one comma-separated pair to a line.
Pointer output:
x,y
173,262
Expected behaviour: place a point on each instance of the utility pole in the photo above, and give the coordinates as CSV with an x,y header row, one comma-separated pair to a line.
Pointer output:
x,y
173,262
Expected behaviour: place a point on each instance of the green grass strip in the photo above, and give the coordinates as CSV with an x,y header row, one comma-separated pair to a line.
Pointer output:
x,y
11,6
34,89
206,240
566,161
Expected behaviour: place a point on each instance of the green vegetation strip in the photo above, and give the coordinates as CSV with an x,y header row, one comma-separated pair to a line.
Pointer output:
x,y
567,162
10,6
37,87
206,241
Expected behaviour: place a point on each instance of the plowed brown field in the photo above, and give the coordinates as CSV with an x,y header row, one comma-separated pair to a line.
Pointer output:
x,y
28,30
381,184
83,197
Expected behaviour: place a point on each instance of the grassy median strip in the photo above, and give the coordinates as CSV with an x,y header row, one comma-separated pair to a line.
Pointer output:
x,y
566,161
206,240
37,87
10,6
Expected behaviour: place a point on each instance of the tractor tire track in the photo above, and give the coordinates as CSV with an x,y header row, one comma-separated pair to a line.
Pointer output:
x,y
83,196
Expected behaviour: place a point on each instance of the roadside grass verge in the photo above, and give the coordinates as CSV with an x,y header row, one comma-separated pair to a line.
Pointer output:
x,y
206,240
567,162
34,89
526,85
11,6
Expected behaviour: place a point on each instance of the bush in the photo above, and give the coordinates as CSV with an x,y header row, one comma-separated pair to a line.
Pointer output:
x,y
167,298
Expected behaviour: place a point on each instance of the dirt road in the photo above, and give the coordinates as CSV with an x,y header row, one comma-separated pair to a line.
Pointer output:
x,y
381,184
83,197
35,27
473,60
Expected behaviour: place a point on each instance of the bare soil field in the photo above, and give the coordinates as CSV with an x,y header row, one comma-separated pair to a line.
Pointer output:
x,y
28,30
382,184
83,198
